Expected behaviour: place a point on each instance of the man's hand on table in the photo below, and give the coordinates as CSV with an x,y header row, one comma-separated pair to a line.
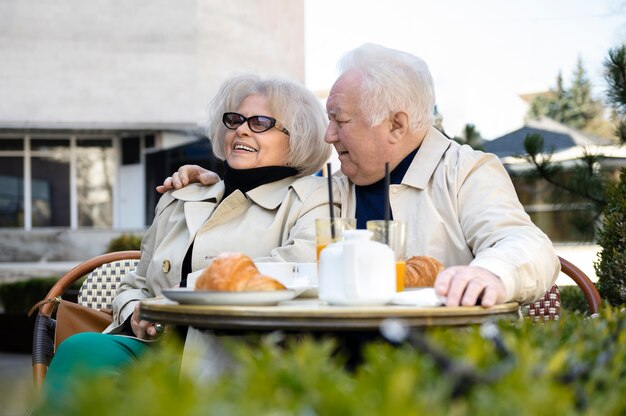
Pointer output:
x,y
469,285
187,174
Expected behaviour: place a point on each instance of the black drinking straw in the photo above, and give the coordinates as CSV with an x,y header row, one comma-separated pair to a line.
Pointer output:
x,y
330,201
387,204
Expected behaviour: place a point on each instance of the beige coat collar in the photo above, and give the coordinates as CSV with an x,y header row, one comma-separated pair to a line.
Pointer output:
x,y
417,176
426,160
197,192
271,195
200,201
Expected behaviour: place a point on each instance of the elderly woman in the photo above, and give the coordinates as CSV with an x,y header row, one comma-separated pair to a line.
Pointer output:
x,y
270,133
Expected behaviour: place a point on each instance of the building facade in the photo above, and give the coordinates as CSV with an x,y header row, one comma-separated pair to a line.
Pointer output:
x,y
99,101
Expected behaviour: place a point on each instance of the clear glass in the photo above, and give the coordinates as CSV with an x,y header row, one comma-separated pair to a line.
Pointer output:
x,y
323,234
392,233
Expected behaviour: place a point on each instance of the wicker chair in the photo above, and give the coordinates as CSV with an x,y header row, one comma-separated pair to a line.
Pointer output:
x,y
97,291
549,307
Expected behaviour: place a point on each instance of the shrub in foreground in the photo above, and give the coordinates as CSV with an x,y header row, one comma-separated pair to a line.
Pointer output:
x,y
572,366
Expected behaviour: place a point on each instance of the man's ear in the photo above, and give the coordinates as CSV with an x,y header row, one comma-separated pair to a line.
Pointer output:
x,y
399,126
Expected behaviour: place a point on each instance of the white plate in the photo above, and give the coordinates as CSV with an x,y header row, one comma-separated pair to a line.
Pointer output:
x,y
205,297
310,292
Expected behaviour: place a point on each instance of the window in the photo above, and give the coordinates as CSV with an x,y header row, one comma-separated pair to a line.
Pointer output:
x,y
11,192
11,144
131,150
50,190
57,180
95,173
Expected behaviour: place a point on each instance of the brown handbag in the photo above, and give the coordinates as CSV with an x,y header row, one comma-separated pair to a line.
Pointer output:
x,y
73,318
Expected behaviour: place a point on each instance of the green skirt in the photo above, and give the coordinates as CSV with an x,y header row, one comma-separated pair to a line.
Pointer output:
x,y
84,356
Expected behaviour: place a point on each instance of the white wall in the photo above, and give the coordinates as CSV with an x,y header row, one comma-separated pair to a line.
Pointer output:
x,y
137,61
582,256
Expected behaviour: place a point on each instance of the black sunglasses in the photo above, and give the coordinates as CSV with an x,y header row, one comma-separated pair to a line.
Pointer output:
x,y
257,124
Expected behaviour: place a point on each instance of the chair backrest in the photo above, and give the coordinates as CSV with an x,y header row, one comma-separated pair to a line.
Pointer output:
x,y
104,275
98,289
548,308
585,284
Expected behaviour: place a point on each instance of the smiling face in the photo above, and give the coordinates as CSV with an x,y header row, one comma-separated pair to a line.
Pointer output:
x,y
362,149
245,149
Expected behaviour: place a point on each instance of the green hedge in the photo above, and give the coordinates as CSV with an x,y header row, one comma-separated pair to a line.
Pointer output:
x,y
18,297
611,265
124,242
572,366
573,300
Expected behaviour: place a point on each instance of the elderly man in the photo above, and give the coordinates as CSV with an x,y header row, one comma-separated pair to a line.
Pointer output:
x,y
459,204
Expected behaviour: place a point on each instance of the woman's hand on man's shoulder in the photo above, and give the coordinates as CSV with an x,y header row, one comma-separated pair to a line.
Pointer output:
x,y
187,174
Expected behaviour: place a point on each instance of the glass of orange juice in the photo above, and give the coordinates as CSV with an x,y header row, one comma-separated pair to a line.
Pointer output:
x,y
392,233
324,235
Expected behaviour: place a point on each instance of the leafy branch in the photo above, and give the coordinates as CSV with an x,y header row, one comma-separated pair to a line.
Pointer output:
x,y
584,178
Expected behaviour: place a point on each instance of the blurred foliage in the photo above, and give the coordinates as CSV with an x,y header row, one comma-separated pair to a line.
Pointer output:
x,y
572,366
18,297
615,75
124,242
611,265
573,300
583,182
576,107
471,137
573,106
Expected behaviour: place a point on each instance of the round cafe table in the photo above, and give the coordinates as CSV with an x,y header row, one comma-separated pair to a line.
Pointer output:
x,y
313,315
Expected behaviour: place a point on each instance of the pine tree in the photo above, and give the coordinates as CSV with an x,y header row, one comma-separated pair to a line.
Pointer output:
x,y
471,137
607,196
582,106
611,264
615,74
573,106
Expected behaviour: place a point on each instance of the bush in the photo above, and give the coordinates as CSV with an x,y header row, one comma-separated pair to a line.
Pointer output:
x,y
572,366
18,297
573,300
611,266
125,242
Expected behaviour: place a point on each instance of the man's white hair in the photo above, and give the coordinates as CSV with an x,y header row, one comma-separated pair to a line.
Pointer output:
x,y
392,81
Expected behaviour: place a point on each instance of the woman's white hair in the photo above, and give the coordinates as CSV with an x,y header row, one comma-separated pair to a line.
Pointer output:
x,y
294,106
392,81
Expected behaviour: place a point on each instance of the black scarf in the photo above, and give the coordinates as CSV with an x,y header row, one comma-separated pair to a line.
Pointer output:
x,y
248,179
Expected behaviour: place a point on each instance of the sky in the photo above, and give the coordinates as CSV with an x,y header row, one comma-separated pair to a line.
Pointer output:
x,y
483,54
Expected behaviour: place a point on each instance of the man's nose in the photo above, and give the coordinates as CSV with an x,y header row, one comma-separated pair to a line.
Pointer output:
x,y
331,134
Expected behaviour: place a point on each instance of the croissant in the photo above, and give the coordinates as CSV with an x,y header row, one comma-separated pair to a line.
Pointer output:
x,y
235,272
421,271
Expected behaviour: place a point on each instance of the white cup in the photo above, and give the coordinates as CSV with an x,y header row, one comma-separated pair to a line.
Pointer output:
x,y
307,272
285,273
307,276
192,278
